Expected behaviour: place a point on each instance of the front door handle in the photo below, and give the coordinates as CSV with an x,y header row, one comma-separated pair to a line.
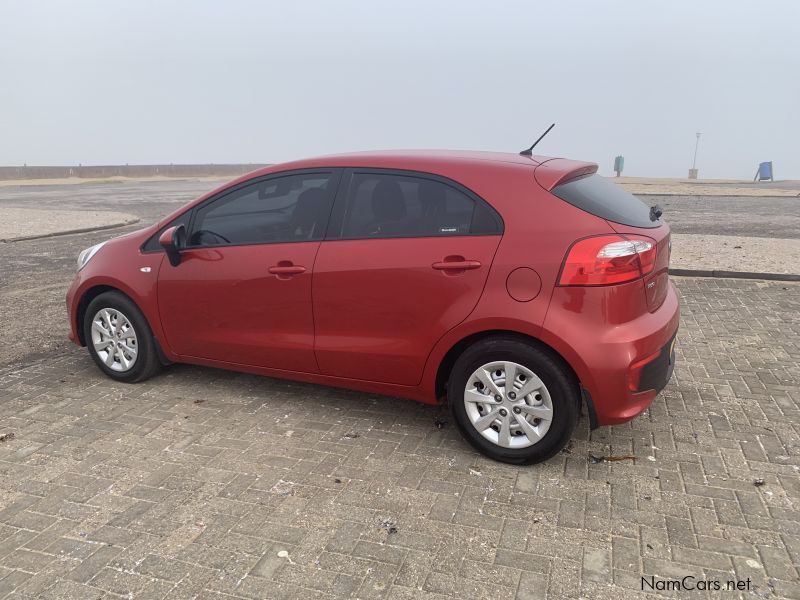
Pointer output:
x,y
456,263
285,269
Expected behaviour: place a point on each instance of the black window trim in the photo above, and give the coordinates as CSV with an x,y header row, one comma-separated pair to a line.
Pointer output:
x,y
336,179
336,220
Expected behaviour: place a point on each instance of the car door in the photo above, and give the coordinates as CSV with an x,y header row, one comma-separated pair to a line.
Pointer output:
x,y
242,291
405,260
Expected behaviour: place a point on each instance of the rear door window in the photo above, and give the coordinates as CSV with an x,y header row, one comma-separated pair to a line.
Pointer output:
x,y
384,205
598,196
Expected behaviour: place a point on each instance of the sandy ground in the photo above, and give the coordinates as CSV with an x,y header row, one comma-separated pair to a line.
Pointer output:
x,y
89,181
26,223
667,187
735,253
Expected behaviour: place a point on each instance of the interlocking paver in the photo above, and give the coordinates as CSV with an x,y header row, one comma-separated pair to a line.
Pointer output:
x,y
109,489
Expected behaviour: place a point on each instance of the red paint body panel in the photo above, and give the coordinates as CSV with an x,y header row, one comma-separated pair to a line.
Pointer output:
x,y
373,314
223,304
601,331
380,306
118,265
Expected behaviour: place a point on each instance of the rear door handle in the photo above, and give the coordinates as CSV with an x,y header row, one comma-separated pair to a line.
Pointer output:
x,y
285,269
456,265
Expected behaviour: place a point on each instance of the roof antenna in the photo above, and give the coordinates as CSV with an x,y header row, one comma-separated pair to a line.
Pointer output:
x,y
529,151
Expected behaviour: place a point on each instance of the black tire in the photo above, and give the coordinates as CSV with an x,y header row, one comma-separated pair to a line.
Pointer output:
x,y
561,384
146,364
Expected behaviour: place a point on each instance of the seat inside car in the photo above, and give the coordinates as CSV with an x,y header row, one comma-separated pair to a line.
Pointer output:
x,y
388,209
309,214
433,207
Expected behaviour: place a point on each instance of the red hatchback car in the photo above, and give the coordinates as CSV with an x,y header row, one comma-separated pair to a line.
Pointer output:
x,y
515,287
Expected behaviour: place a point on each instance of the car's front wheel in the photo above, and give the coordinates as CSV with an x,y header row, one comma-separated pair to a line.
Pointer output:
x,y
119,338
513,401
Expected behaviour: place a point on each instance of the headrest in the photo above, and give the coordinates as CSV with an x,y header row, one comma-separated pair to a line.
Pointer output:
x,y
388,201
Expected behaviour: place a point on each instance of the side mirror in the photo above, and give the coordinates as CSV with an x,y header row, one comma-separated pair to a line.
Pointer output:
x,y
173,240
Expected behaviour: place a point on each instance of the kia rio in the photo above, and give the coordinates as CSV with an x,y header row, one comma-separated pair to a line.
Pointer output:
x,y
515,288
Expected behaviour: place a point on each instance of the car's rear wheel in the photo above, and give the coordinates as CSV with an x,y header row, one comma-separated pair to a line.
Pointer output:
x,y
513,401
119,338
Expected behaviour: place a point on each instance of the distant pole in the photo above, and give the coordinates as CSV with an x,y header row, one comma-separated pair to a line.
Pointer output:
x,y
696,144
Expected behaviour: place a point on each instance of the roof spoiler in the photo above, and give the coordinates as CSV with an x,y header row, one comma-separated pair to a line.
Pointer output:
x,y
556,171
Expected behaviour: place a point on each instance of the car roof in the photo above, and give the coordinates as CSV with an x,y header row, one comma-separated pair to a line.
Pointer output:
x,y
407,159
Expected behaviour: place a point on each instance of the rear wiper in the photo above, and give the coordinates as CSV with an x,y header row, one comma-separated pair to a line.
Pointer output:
x,y
655,212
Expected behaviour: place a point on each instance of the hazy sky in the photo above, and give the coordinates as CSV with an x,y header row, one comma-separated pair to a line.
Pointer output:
x,y
105,82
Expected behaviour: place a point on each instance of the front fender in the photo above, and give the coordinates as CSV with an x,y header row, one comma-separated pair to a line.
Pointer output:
x,y
136,277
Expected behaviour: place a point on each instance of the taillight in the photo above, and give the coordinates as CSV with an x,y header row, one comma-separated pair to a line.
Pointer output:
x,y
608,259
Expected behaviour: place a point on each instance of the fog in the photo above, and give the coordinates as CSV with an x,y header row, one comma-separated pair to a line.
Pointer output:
x,y
100,82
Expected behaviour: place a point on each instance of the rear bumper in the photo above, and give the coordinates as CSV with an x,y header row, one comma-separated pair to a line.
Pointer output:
x,y
622,364
652,354
620,406
653,379
656,373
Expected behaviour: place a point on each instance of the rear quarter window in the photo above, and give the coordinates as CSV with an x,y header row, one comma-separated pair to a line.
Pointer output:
x,y
602,198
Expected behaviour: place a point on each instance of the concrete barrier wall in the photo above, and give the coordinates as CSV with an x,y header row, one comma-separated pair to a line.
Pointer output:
x,y
102,171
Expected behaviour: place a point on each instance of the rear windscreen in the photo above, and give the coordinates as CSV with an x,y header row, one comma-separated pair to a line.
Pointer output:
x,y
598,196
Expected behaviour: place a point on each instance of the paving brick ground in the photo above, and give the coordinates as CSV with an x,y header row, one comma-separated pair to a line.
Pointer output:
x,y
190,485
